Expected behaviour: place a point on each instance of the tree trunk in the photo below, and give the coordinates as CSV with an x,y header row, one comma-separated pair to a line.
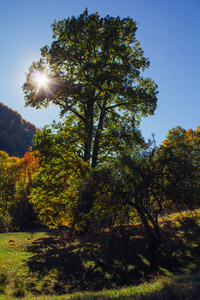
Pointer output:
x,y
98,135
89,116
154,238
153,253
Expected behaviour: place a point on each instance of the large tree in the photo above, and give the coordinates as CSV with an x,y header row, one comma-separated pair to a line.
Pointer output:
x,y
92,71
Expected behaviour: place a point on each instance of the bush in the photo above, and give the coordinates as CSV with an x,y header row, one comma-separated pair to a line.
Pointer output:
x,y
23,215
6,224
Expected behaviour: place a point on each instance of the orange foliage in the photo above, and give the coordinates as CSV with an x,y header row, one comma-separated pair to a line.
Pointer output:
x,y
30,161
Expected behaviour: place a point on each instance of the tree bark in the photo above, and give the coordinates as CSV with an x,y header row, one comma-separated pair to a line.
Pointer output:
x,y
98,135
154,238
89,116
153,252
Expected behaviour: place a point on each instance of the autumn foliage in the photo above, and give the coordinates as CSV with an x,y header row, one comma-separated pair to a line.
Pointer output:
x,y
15,183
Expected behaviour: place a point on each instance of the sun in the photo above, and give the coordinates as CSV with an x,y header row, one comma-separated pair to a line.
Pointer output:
x,y
41,80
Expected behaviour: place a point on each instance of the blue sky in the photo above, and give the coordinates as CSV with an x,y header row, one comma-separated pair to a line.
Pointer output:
x,y
169,33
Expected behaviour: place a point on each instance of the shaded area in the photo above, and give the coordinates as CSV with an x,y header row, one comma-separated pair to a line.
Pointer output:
x,y
181,287
180,251
68,260
65,261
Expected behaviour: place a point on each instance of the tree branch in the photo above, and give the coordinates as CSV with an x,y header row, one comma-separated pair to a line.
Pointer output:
x,y
117,105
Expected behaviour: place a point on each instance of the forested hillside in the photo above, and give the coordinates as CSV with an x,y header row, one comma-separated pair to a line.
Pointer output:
x,y
16,133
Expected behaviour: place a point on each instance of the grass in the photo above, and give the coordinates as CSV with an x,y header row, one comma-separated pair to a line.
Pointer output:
x,y
162,288
45,264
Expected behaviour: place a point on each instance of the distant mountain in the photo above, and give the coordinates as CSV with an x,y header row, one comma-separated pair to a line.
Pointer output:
x,y
16,133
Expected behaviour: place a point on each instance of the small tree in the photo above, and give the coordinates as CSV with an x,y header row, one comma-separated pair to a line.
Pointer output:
x,y
15,184
137,186
179,155
9,174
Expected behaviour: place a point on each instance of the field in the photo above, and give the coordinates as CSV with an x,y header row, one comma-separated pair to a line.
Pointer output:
x,y
112,264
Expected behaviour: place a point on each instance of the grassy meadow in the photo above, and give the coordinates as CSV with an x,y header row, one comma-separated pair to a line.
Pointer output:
x,y
49,264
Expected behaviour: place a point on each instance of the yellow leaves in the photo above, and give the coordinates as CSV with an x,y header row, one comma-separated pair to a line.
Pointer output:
x,y
16,173
9,166
3,155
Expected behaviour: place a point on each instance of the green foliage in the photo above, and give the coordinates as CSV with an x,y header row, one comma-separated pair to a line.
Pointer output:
x,y
66,189
93,73
95,209
93,70
55,187
9,173
179,157
136,186
6,222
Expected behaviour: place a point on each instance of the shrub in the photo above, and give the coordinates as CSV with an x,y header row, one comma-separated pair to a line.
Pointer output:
x,y
5,222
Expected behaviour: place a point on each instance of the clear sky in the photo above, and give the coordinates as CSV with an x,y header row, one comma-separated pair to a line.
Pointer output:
x,y
169,33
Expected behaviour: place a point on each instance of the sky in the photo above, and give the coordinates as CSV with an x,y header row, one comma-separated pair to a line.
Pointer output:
x,y
169,33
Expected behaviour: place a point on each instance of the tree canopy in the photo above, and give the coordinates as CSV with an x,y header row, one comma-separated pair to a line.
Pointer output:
x,y
16,173
179,155
92,71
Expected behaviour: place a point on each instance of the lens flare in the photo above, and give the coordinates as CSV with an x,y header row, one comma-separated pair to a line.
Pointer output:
x,y
40,79
43,83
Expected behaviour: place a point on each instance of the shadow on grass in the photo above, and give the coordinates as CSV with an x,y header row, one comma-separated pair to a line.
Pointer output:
x,y
180,251
67,261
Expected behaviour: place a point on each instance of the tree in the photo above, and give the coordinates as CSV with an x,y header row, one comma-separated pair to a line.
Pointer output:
x,y
9,174
54,193
137,187
92,71
179,155
15,183
21,208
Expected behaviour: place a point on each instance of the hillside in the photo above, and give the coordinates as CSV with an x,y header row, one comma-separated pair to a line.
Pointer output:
x,y
16,133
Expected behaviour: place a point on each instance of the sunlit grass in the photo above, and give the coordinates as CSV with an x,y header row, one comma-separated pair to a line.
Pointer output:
x,y
13,250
